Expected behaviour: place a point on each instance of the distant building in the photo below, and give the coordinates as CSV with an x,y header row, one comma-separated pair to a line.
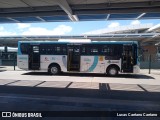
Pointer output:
x,y
147,48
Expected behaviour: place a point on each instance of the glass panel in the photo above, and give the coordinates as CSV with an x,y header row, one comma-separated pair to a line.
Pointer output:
x,y
36,49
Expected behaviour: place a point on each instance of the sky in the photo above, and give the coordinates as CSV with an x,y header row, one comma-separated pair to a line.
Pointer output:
x,y
66,28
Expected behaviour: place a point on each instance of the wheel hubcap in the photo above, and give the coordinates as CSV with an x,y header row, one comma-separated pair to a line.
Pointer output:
x,y
112,71
54,70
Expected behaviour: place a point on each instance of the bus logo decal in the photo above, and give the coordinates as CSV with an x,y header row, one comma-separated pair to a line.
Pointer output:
x,y
95,62
46,59
100,58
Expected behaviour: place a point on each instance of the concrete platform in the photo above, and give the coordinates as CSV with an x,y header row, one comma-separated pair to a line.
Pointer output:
x,y
125,82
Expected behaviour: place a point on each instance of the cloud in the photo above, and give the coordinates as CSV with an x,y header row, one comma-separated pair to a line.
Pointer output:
x,y
1,28
29,30
59,30
135,22
4,32
113,25
23,25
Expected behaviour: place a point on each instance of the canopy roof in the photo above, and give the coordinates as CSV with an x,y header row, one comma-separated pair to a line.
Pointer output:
x,y
24,11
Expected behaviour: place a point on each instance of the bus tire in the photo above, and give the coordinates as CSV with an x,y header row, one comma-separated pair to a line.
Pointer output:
x,y
54,70
112,71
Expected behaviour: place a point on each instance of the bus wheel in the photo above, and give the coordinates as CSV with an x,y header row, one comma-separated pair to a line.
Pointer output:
x,y
112,71
54,70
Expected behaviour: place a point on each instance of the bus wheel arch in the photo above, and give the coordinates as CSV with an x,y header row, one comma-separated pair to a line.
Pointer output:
x,y
113,70
54,69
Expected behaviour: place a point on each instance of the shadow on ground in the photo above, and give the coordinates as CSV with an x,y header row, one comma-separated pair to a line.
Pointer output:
x,y
137,76
78,92
19,102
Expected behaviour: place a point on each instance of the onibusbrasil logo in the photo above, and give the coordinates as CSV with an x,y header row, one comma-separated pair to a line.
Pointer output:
x,y
21,114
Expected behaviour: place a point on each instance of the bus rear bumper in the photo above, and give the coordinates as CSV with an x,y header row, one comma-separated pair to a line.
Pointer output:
x,y
136,69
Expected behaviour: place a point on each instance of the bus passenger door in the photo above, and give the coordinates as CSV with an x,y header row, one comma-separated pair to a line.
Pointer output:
x,y
34,58
127,59
73,61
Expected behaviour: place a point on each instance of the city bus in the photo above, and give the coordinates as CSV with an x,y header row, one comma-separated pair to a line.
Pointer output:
x,y
109,57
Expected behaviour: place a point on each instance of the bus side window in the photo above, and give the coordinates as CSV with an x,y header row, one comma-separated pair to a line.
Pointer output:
x,y
64,50
94,50
58,50
43,51
46,49
49,49
107,50
83,50
104,50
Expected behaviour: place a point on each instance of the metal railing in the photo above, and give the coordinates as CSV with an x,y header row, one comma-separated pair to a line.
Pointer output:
x,y
149,61
8,59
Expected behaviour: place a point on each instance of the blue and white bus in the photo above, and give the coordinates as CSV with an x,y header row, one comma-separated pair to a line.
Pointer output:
x,y
93,57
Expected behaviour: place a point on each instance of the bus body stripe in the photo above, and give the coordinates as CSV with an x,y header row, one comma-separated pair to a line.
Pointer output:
x,y
93,66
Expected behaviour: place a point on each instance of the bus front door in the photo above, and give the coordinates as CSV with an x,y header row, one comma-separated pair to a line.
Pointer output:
x,y
127,59
73,61
34,58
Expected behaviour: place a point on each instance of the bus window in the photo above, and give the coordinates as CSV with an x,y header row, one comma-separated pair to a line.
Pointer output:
x,y
46,49
104,50
24,48
108,50
76,50
36,49
64,50
93,50
57,49
83,50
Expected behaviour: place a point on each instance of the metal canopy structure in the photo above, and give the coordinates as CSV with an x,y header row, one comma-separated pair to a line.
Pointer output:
x,y
25,11
56,37
141,37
